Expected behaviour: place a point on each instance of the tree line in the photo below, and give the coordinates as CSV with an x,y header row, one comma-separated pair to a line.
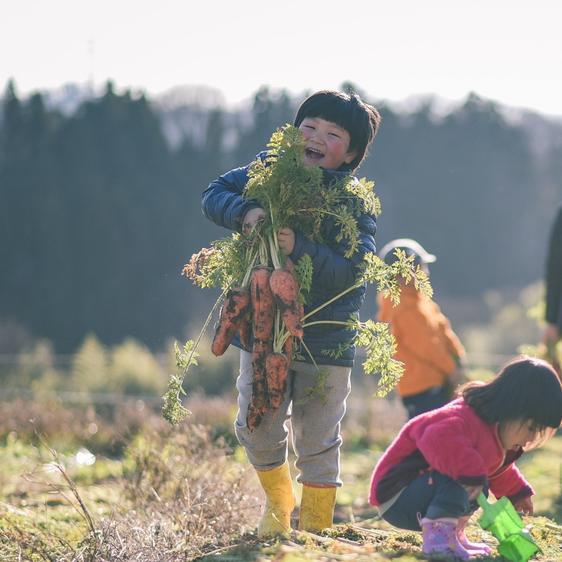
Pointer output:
x,y
99,211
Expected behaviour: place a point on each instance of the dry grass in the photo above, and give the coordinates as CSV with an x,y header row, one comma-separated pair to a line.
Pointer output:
x,y
184,496
183,493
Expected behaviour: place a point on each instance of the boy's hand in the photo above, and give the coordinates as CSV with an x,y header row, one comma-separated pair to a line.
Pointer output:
x,y
251,218
286,240
524,506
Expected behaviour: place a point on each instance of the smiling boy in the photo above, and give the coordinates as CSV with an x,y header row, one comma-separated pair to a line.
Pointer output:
x,y
338,129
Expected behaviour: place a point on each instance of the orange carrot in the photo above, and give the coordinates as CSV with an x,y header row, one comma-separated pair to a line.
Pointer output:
x,y
259,403
285,289
263,304
234,309
263,316
254,416
277,371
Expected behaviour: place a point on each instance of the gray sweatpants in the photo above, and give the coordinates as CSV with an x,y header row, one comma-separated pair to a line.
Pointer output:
x,y
315,422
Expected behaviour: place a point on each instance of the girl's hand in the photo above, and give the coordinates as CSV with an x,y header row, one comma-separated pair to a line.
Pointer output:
x,y
472,491
286,240
251,218
524,506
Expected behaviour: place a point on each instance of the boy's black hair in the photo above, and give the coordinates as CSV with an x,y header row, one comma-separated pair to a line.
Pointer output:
x,y
527,388
358,118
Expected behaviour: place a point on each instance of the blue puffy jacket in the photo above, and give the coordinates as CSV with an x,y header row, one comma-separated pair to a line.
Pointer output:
x,y
222,203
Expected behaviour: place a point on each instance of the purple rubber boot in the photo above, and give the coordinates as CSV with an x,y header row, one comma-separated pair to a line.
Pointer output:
x,y
440,537
478,548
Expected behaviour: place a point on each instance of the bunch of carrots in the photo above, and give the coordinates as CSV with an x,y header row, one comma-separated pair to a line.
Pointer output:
x,y
264,292
265,309
253,310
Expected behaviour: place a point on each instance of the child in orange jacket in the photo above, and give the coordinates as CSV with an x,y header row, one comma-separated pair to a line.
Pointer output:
x,y
431,352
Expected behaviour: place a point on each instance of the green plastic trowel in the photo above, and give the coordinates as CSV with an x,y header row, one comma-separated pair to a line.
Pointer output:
x,y
502,520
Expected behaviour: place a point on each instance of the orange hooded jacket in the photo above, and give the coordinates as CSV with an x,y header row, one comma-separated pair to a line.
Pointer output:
x,y
425,342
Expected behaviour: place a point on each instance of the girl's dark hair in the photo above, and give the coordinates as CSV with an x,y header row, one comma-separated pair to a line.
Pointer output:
x,y
358,118
525,389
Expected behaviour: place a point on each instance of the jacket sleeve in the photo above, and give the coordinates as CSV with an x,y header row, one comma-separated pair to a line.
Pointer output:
x,y
447,449
329,264
511,483
422,340
553,272
222,202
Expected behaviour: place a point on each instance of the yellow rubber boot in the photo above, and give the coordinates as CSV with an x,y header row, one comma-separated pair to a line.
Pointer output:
x,y
317,508
280,502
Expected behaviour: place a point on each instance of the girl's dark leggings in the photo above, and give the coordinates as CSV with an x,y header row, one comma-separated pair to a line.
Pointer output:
x,y
431,495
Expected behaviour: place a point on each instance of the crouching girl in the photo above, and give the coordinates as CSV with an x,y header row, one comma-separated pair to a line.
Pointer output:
x,y
430,475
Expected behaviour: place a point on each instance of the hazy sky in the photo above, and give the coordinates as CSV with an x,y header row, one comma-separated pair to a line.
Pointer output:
x,y
507,50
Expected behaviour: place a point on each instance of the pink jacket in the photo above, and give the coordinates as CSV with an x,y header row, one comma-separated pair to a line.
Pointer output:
x,y
452,440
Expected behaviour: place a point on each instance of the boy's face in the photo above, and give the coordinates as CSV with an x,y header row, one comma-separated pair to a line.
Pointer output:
x,y
326,144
